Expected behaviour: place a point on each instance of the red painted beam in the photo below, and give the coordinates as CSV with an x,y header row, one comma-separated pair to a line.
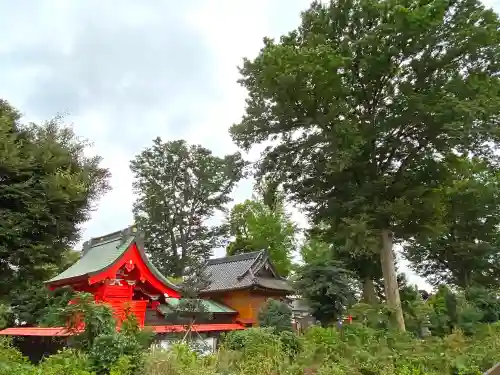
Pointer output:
x,y
63,332
36,331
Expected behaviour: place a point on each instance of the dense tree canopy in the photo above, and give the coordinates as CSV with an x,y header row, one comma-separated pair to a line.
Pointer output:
x,y
179,187
48,188
258,226
369,103
466,250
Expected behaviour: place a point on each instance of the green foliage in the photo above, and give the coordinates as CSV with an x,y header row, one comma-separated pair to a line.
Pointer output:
x,y
356,257
314,248
178,188
97,318
179,360
237,340
49,188
35,304
275,314
5,313
291,343
357,349
104,345
485,300
66,362
327,286
107,349
256,226
466,251
371,105
12,361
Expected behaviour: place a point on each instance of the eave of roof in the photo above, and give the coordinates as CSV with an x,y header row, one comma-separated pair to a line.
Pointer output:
x,y
209,306
62,332
103,252
237,272
97,255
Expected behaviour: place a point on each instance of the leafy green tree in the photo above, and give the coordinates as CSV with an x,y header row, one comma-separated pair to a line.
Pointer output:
x,y
276,314
256,226
100,338
368,104
485,300
179,187
191,307
48,188
466,251
358,258
327,286
33,304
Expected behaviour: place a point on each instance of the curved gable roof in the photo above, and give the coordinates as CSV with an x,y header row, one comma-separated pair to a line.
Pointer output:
x,y
100,253
241,271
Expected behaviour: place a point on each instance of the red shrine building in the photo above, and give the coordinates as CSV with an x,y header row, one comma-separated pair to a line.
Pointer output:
x,y
115,269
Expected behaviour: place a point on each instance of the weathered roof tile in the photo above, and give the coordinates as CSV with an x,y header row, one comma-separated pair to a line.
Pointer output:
x,y
239,272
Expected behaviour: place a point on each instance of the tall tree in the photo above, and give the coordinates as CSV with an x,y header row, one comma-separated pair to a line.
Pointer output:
x,y
466,251
263,224
48,188
179,187
367,102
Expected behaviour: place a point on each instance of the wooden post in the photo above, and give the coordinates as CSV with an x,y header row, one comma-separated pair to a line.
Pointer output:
x,y
495,370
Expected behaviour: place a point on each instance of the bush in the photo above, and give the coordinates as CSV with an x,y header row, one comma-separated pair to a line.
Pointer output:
x,y
290,343
250,338
108,349
277,315
178,360
66,362
12,362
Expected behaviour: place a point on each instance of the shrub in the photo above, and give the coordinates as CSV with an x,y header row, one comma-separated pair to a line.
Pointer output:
x,y
178,360
251,338
12,362
290,343
108,349
66,362
277,315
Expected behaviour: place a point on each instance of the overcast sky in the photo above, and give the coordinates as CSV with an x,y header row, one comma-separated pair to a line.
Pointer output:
x,y
127,71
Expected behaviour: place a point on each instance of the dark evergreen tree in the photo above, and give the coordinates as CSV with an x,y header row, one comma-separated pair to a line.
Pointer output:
x,y
48,188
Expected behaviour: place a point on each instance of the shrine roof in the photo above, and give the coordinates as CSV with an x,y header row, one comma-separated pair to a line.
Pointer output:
x,y
244,271
209,306
102,252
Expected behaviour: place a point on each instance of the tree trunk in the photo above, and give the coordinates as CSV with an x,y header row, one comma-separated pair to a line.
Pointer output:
x,y
369,295
390,278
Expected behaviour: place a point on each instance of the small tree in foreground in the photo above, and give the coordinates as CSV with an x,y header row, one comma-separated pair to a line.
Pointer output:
x,y
276,314
99,336
328,288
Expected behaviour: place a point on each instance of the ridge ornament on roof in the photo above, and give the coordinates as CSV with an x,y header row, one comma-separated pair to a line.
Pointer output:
x,y
103,258
242,271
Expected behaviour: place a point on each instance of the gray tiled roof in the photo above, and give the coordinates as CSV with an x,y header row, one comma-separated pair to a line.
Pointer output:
x,y
277,284
238,272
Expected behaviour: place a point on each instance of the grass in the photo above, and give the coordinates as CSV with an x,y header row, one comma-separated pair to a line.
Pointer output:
x,y
356,350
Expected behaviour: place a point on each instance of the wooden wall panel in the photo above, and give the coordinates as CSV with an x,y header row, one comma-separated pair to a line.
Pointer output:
x,y
247,303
